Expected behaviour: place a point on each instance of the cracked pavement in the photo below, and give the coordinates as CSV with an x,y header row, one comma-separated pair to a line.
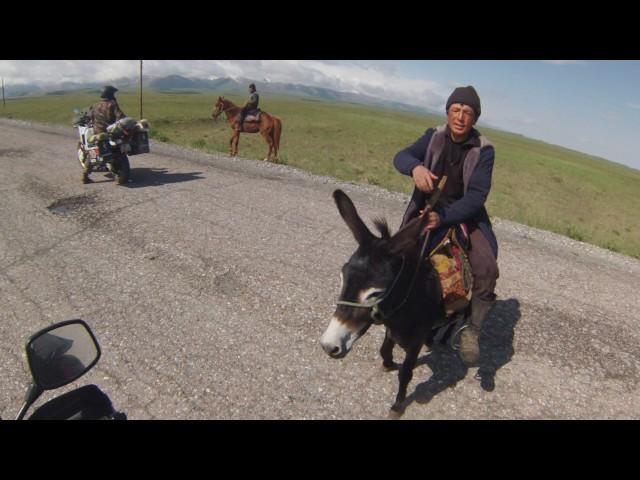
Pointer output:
x,y
208,282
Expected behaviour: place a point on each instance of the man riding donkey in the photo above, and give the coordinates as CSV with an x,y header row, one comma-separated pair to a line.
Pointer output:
x,y
460,152
250,107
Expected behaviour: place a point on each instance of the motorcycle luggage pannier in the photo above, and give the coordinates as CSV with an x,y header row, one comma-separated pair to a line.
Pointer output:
x,y
140,143
122,127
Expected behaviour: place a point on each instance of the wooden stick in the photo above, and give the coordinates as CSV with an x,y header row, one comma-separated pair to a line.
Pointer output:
x,y
435,196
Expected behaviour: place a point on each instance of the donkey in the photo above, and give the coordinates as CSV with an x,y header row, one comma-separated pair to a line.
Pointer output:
x,y
386,282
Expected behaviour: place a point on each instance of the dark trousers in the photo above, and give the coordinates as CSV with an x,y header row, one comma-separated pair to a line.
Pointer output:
x,y
243,114
484,267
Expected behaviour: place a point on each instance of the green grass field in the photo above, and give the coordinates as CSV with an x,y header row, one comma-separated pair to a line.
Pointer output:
x,y
537,184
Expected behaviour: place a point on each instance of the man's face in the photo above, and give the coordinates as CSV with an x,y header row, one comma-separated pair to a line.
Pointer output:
x,y
460,118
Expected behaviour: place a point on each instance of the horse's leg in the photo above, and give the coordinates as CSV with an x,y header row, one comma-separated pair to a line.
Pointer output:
x,y
266,134
404,376
274,144
386,352
233,137
234,144
276,132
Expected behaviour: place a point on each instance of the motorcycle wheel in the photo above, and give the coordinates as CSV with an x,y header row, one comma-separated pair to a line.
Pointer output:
x,y
123,170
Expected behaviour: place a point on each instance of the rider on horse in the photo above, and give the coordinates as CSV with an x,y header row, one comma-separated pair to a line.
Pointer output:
x,y
250,106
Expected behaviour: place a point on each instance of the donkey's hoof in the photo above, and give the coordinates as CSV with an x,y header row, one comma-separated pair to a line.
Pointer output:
x,y
395,413
390,368
487,381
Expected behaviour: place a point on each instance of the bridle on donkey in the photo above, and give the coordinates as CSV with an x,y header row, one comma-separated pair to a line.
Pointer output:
x,y
378,315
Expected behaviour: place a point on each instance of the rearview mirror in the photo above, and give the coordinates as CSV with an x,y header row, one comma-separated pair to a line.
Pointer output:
x,y
62,353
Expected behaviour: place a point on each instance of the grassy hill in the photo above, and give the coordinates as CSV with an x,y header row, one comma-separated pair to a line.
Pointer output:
x,y
541,185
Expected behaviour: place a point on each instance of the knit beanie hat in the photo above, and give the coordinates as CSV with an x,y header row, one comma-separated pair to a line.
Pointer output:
x,y
467,96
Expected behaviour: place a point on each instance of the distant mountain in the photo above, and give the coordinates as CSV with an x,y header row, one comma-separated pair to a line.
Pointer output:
x,y
22,90
239,87
225,85
64,87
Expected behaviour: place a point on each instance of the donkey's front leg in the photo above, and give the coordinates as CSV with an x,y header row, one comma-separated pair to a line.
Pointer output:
x,y
386,352
404,376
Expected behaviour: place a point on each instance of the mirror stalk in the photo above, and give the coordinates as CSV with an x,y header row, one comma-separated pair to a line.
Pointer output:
x,y
32,395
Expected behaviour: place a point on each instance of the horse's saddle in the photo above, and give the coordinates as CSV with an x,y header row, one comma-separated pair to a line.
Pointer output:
x,y
253,116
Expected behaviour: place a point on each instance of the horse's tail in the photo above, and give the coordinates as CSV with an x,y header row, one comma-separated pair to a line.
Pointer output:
x,y
277,131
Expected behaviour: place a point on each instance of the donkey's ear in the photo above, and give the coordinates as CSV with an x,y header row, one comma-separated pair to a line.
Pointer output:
x,y
350,215
408,237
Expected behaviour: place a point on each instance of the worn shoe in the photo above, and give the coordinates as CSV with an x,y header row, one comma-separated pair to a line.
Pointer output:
x,y
469,347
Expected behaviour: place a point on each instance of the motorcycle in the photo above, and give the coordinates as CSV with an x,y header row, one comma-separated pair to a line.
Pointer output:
x,y
110,151
57,356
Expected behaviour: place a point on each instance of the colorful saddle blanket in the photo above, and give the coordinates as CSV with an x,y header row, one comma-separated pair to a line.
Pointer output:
x,y
450,259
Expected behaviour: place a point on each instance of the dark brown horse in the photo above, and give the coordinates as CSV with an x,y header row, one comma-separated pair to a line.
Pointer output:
x,y
269,126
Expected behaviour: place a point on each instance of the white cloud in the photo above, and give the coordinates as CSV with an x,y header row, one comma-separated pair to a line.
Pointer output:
x,y
48,72
635,106
375,78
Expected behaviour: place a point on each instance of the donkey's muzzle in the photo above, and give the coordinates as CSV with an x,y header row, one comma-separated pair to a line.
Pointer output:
x,y
333,350
338,339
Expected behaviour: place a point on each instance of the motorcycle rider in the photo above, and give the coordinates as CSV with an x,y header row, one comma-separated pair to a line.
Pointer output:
x,y
103,113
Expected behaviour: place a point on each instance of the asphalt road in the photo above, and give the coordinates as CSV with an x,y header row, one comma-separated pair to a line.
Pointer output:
x,y
209,281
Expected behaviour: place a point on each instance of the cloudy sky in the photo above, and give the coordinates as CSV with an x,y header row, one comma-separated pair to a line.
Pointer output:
x,y
590,106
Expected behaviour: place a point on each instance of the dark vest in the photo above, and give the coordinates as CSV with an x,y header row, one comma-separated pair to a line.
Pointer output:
x,y
254,100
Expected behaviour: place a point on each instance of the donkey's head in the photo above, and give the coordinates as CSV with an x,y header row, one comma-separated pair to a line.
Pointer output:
x,y
369,275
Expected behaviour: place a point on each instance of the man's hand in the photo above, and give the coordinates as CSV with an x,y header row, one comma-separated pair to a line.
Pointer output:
x,y
433,221
423,178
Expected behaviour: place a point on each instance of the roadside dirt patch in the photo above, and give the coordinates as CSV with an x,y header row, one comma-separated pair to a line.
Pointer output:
x,y
14,152
66,206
